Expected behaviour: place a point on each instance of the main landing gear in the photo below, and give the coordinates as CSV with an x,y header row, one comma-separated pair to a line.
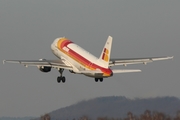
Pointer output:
x,y
100,79
61,78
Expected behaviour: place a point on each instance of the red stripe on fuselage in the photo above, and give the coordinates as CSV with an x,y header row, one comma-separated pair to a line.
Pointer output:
x,y
83,61
65,43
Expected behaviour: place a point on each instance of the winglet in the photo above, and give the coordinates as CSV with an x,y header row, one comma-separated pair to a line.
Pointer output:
x,y
4,61
105,55
171,57
162,58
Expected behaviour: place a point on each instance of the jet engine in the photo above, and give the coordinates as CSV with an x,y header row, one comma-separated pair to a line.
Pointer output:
x,y
44,69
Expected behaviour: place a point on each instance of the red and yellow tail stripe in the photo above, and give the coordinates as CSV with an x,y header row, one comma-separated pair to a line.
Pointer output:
x,y
105,55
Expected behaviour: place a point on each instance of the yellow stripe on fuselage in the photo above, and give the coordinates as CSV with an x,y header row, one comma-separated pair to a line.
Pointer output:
x,y
60,41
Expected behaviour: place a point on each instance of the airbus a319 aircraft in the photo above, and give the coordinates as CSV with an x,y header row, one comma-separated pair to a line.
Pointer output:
x,y
79,61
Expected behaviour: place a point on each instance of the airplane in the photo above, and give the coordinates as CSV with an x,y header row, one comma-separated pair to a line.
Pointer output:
x,y
79,61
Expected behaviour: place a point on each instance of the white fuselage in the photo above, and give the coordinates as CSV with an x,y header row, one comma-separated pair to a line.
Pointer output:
x,y
75,56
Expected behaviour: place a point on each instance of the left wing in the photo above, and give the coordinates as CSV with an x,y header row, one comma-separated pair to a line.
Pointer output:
x,y
42,62
114,62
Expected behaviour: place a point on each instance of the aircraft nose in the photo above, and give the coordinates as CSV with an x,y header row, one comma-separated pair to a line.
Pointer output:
x,y
54,44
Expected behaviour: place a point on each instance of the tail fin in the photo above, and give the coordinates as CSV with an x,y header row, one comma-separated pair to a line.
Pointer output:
x,y
105,55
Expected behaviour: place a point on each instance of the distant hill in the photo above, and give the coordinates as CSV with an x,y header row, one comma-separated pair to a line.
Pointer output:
x,y
117,107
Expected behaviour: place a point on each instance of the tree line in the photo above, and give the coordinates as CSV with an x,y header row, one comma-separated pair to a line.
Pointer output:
x,y
147,115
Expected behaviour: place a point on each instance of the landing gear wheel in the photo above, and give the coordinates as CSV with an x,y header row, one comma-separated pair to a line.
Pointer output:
x,y
96,79
63,79
58,79
101,79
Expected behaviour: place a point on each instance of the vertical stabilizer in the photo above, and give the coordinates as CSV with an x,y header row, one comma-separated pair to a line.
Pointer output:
x,y
105,55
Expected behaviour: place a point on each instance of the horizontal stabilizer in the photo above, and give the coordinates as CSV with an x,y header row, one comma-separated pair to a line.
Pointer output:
x,y
126,70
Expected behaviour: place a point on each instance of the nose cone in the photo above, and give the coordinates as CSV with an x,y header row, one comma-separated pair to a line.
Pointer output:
x,y
54,44
56,41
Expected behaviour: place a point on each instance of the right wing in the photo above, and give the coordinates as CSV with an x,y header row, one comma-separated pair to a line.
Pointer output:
x,y
114,62
42,62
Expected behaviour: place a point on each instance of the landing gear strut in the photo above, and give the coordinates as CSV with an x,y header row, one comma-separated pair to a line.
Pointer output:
x,y
61,78
100,79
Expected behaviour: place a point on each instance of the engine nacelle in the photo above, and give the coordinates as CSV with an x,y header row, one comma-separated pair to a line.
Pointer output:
x,y
44,69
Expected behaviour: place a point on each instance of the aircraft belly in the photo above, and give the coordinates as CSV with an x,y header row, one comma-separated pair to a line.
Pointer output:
x,y
94,75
